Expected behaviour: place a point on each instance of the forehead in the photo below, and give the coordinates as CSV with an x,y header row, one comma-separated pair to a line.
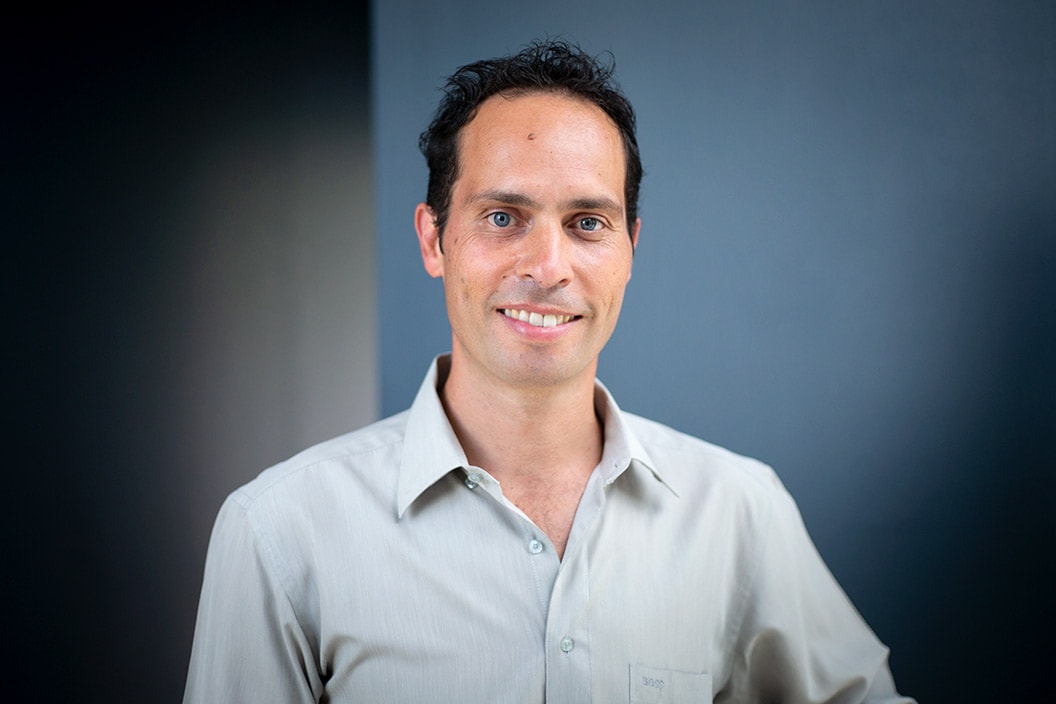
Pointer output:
x,y
541,131
526,104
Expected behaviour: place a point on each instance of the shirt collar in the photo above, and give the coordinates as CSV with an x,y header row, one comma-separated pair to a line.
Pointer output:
x,y
431,449
622,449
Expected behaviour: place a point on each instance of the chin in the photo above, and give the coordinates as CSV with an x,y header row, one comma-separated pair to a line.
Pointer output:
x,y
532,371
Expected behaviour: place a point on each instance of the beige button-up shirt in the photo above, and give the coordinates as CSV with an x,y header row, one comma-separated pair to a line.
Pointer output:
x,y
382,567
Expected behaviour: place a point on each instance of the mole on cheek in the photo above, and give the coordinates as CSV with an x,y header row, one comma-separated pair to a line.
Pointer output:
x,y
531,135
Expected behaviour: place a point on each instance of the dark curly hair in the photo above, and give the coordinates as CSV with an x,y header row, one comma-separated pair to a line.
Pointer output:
x,y
555,66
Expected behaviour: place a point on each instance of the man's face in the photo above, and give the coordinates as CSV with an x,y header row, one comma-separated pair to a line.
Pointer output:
x,y
536,252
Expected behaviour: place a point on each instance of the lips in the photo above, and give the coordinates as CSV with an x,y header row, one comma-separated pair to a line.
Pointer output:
x,y
539,320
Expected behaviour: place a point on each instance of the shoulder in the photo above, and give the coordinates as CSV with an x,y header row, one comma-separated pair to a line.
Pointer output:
x,y
722,492
329,467
693,465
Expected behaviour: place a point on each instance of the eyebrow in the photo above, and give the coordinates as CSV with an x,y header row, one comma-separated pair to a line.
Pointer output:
x,y
522,200
506,197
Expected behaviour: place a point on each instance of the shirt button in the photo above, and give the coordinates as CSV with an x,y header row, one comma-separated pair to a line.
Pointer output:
x,y
473,480
535,547
567,644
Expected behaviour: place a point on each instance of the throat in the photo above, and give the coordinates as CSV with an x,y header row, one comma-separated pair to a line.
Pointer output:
x,y
551,504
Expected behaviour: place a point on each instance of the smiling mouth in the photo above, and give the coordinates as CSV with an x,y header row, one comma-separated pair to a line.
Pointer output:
x,y
539,320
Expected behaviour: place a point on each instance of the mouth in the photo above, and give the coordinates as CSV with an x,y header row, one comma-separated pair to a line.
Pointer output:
x,y
539,320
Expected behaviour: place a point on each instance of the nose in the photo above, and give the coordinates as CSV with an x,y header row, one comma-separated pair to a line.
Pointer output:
x,y
546,256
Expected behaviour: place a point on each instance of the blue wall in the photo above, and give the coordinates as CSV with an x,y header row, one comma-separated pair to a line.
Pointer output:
x,y
845,269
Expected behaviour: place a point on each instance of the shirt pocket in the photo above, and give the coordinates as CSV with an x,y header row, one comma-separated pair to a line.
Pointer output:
x,y
650,685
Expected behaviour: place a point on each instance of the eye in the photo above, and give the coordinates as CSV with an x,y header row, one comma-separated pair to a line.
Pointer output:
x,y
500,219
589,224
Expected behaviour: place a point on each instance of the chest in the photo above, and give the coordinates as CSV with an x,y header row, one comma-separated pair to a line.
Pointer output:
x,y
461,604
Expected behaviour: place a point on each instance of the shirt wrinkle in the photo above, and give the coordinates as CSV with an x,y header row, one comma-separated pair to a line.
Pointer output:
x,y
745,588
271,561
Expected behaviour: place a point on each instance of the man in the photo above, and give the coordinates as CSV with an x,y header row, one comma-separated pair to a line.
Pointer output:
x,y
514,536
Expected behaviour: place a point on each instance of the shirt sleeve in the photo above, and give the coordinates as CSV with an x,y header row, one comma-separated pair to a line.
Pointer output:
x,y
249,645
801,640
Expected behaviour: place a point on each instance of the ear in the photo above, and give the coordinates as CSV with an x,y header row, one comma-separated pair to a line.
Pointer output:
x,y
429,240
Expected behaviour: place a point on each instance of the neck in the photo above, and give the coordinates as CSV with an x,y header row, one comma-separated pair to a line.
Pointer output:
x,y
524,434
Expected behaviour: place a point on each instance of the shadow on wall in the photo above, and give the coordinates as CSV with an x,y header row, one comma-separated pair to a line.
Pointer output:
x,y
986,547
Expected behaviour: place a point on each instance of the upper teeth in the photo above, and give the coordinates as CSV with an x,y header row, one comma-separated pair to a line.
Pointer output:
x,y
537,319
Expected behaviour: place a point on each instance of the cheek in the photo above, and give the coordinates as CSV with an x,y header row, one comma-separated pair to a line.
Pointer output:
x,y
465,290
617,278
469,287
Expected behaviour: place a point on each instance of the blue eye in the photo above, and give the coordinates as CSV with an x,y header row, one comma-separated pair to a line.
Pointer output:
x,y
589,224
500,219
